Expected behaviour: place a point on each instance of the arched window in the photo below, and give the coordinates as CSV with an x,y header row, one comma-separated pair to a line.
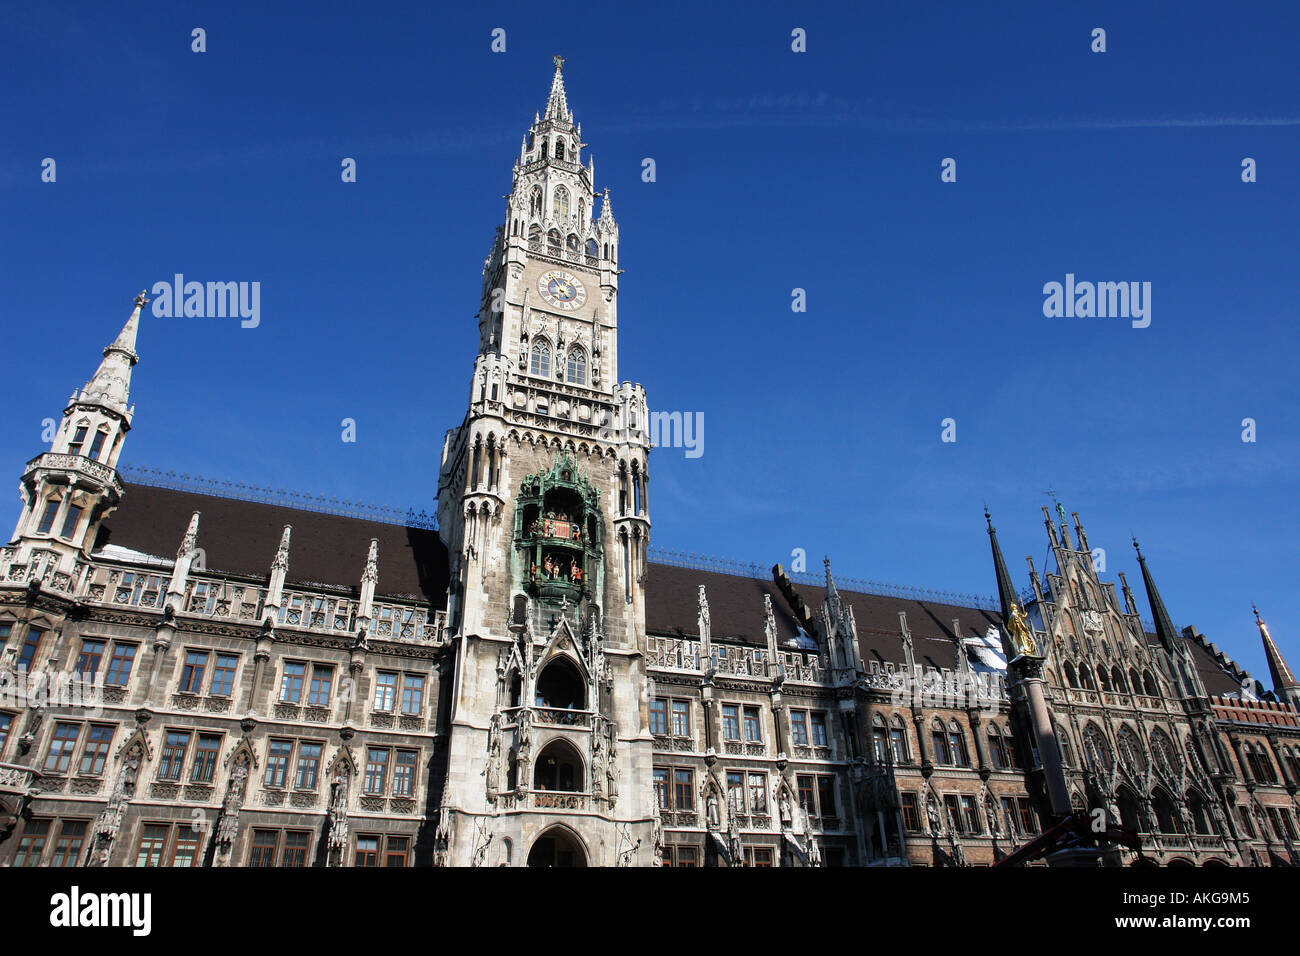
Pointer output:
x,y
535,202
1149,684
576,374
1134,680
1085,677
561,686
1096,749
539,361
559,768
560,204
1165,755
544,151
1166,819
1071,677
574,245
880,739
553,242
898,740
957,744
940,739
1102,679
1201,818
997,752
1131,755
1063,742
559,149
1128,808
1117,679
591,248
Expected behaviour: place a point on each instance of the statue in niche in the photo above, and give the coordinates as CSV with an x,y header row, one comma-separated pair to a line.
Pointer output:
x,y
714,818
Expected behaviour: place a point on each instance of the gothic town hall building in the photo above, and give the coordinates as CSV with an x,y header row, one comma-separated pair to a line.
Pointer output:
x,y
191,679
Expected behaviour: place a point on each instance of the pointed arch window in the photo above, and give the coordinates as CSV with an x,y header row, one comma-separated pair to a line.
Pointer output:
x,y
957,744
97,444
997,752
576,373
898,740
539,361
553,242
559,149
535,202
942,755
560,205
880,739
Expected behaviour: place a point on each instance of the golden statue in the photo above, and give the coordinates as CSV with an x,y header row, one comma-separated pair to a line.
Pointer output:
x,y
1022,638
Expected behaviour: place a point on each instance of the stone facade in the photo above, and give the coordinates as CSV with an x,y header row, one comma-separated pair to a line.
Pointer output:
x,y
196,679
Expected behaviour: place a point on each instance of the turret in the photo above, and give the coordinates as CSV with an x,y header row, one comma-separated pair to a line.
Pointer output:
x,y
1285,686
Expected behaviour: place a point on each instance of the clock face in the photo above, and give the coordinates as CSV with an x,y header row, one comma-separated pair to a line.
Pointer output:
x,y
561,290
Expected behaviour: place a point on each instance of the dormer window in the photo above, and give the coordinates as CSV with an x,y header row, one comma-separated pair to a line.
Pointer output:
x,y
78,439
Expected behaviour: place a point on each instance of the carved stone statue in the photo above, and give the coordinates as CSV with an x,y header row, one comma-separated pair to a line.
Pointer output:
x,y
714,818
783,803
493,769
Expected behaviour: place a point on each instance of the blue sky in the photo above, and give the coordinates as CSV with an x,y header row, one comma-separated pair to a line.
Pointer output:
x,y
775,170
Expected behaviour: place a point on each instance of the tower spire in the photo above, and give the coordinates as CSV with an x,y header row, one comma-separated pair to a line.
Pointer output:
x,y
1164,626
557,106
1285,685
1012,613
111,383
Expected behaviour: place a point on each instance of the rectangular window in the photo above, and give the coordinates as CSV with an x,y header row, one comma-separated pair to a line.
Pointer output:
x,y
367,851
186,847
826,796
97,445
731,721
1246,823
385,691
153,838
192,673
67,848
32,844
911,815
92,652
28,654
78,439
295,848
47,518
683,856
659,716
264,846
758,793
95,752
758,855
291,682
661,787
736,791
278,755
753,731
223,675
799,727
404,773
176,742
971,814
62,744
308,766
412,694
322,679
376,770
954,813
684,789
898,744
807,793
70,521
818,729
396,850
119,665
205,758
1009,813
681,718
1027,821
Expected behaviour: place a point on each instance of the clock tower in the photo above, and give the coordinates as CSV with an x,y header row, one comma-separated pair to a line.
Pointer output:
x,y
542,505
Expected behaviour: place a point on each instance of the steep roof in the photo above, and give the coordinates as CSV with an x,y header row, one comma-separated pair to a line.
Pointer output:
x,y
241,537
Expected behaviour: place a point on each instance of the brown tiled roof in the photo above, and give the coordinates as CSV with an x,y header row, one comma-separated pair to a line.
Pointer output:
x,y
735,605
241,537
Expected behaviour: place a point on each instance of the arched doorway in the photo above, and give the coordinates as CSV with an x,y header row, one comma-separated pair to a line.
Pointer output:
x,y
557,847
559,768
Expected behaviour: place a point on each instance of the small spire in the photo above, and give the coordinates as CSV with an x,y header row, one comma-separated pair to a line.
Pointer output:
x,y
557,106
281,562
191,539
606,210
371,573
1285,685
1164,625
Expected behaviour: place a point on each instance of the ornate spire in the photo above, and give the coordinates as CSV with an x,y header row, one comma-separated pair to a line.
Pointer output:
x,y
1006,590
606,210
1164,626
191,539
111,384
1285,685
557,106
281,562
371,573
